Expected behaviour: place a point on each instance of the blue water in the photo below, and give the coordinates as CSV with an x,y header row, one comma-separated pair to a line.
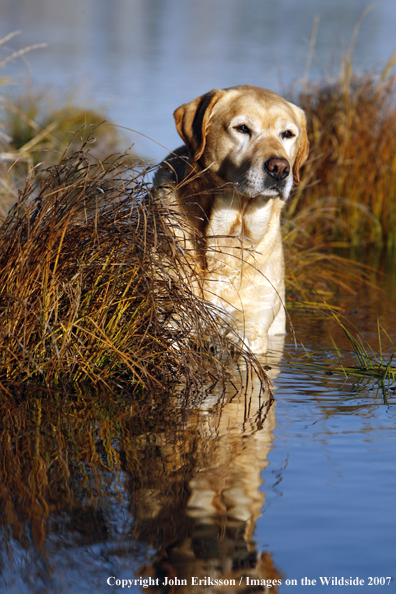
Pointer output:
x,y
138,60
309,494
331,483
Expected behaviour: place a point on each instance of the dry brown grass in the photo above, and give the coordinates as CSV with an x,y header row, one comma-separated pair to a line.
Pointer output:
x,y
94,287
350,178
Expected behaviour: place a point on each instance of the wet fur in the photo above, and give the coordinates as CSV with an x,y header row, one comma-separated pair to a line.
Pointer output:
x,y
222,182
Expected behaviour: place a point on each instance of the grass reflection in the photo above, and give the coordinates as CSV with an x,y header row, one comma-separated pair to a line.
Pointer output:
x,y
187,478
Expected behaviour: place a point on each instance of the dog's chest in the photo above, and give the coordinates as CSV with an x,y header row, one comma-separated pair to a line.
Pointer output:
x,y
232,218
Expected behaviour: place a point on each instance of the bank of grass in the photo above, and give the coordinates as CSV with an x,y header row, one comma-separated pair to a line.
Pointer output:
x,y
346,198
38,131
94,288
34,131
350,177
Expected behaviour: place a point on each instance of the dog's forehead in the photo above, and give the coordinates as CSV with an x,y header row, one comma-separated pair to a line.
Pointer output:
x,y
255,102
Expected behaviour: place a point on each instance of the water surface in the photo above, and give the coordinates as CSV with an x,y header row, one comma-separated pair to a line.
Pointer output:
x,y
141,59
96,487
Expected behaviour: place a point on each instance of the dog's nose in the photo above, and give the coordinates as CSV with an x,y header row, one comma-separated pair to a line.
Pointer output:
x,y
277,167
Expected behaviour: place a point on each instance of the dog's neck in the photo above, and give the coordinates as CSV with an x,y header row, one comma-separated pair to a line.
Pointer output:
x,y
251,220
221,211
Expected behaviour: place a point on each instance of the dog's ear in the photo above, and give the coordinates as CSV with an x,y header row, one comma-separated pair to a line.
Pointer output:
x,y
303,145
192,120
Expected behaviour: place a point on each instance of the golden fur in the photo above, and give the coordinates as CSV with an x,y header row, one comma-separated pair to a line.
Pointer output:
x,y
243,149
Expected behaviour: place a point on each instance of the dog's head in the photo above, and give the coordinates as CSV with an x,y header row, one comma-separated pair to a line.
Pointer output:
x,y
247,136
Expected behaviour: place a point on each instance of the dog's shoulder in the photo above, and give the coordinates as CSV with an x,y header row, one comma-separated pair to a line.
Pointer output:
x,y
173,169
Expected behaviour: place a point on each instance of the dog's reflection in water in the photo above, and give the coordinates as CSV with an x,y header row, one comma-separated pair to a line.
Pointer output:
x,y
202,495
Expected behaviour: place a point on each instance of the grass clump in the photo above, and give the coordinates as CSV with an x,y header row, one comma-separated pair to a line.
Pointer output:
x,y
350,178
34,129
37,132
33,132
347,193
94,287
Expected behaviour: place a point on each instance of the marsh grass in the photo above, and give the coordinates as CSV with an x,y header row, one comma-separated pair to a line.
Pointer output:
x,y
38,131
35,129
347,194
350,177
34,132
372,363
313,269
33,124
94,287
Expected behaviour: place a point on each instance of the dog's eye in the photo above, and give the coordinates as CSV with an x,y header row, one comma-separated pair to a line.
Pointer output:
x,y
287,134
242,128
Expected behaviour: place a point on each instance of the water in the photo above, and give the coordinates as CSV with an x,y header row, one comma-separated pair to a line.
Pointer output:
x,y
331,486
137,490
93,487
141,59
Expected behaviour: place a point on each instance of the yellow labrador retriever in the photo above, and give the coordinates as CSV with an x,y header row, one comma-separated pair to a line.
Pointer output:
x,y
243,149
